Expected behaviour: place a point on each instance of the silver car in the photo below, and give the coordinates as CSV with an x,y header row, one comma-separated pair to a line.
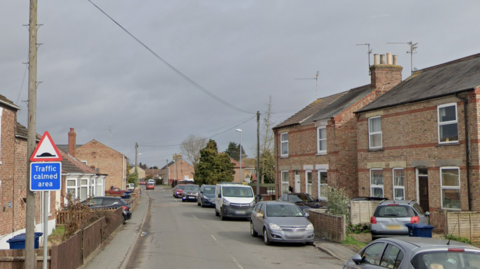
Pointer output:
x,y
417,253
281,222
390,218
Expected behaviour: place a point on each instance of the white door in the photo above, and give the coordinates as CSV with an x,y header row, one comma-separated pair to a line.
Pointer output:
x,y
297,181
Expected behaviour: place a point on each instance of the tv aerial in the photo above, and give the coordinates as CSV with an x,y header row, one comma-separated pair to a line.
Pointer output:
x,y
413,50
316,82
368,53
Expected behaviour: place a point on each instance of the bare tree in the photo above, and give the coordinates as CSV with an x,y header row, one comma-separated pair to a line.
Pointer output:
x,y
191,147
267,161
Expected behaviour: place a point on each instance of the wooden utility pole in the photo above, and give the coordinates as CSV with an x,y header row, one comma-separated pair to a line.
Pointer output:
x,y
136,165
31,135
258,152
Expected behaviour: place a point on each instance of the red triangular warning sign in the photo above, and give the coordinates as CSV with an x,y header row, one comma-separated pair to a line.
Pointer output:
x,y
46,151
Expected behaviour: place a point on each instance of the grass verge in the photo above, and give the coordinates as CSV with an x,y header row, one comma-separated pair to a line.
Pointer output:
x,y
351,241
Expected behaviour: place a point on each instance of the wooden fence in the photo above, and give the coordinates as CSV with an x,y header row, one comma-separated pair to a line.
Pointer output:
x,y
328,226
362,211
464,224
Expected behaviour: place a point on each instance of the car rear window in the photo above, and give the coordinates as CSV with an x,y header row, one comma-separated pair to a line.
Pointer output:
x,y
180,187
209,190
453,259
389,211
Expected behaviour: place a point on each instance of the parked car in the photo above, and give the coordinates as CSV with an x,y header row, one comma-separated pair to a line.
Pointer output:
x,y
190,193
178,190
390,217
233,201
131,186
281,222
150,186
303,200
151,181
106,202
143,182
206,196
125,194
417,253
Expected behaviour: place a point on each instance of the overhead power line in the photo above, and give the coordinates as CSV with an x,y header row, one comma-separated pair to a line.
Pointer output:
x,y
196,85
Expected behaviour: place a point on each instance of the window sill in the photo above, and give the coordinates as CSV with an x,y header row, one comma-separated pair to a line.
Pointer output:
x,y
373,150
321,154
283,157
456,143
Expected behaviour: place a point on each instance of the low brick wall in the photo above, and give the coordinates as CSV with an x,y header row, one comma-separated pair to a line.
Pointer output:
x,y
330,227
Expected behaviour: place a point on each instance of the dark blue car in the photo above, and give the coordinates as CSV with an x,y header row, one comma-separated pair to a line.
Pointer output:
x,y
206,196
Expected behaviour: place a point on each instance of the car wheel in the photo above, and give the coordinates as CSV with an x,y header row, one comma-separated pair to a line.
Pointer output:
x,y
183,200
265,237
252,230
216,213
124,219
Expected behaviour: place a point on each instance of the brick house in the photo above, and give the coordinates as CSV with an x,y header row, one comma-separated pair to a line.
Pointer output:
x,y
140,171
413,142
13,177
177,170
100,157
236,169
317,146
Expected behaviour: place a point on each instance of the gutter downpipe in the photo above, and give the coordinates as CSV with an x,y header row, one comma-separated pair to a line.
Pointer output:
x,y
467,148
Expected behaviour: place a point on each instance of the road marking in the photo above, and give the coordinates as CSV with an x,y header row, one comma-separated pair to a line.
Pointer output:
x,y
236,262
214,238
195,217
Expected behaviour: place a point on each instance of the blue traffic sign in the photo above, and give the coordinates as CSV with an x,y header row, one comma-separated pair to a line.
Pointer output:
x,y
45,176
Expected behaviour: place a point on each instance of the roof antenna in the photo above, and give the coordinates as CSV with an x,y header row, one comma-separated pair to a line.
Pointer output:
x,y
369,52
316,82
451,235
413,48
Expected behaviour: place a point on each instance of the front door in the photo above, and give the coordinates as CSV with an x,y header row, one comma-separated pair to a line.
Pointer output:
x,y
423,188
297,181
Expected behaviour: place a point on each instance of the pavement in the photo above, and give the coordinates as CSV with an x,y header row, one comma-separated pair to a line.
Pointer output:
x,y
116,252
334,249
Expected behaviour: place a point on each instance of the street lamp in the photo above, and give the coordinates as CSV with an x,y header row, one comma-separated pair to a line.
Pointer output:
x,y
240,150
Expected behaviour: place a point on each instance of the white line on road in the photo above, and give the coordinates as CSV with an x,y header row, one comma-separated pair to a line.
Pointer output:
x,y
214,238
195,217
236,262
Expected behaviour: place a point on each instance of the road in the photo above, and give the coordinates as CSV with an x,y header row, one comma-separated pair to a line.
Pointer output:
x,y
183,235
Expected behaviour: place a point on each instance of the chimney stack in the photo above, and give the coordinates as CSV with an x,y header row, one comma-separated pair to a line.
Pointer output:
x,y
385,76
72,142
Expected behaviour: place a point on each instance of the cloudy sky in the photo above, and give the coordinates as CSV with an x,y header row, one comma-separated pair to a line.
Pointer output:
x,y
99,80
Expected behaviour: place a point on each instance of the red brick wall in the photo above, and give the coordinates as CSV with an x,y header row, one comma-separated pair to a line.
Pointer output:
x,y
107,160
410,135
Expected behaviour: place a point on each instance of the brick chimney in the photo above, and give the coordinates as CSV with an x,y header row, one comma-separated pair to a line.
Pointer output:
x,y
385,76
72,142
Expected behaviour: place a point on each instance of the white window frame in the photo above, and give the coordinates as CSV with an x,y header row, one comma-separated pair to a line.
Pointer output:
x,y
282,142
398,187
82,186
449,187
372,186
283,182
320,186
375,133
308,184
93,185
321,151
99,188
71,187
447,122
84,162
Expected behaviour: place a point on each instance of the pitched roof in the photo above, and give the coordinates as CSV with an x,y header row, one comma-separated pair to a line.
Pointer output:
x,y
7,102
345,101
309,110
21,131
72,165
436,81
236,164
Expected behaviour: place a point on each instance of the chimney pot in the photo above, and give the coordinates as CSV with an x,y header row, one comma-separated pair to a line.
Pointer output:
x,y
382,58
389,58
395,60
376,59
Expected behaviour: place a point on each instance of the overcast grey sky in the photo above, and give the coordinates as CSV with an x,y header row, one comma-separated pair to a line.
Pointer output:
x,y
95,76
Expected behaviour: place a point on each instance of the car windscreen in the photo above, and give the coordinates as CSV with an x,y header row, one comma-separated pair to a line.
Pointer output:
x,y
283,211
180,187
191,188
305,198
237,192
209,190
452,259
389,211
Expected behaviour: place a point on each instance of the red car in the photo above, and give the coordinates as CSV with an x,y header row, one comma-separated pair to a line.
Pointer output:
x,y
178,190
143,183
150,186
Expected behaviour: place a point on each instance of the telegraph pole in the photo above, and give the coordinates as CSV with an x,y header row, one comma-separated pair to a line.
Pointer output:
x,y
258,152
30,261
136,163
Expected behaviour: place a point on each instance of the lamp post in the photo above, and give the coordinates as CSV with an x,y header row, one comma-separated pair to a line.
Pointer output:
x,y
240,152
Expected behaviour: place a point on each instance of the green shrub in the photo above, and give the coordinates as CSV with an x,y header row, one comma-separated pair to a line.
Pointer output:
x,y
338,202
457,238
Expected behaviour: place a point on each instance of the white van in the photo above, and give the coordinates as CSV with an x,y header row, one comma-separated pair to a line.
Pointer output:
x,y
234,201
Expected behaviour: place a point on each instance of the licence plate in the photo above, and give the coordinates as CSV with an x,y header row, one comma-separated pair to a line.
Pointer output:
x,y
240,212
190,197
394,227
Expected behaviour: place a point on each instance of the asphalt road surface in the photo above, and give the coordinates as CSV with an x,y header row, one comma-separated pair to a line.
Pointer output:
x,y
184,235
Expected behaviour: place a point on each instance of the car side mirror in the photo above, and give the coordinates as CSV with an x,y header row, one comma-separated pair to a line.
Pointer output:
x,y
427,214
219,195
357,259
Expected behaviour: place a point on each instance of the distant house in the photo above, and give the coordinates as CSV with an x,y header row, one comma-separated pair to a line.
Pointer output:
x,y
420,140
155,173
317,146
140,171
177,170
13,177
100,157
